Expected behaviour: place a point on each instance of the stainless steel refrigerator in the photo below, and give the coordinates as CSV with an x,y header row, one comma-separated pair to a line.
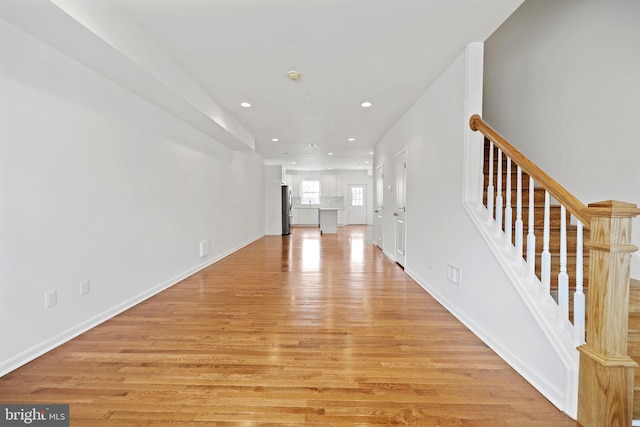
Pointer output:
x,y
287,213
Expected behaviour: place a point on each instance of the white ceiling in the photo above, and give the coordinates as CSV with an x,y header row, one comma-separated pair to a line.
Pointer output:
x,y
216,54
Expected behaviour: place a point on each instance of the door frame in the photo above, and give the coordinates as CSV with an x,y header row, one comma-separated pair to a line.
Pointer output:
x,y
378,209
400,208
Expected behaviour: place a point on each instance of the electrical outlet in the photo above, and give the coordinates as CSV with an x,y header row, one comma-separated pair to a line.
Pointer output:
x,y
50,298
84,287
204,248
453,274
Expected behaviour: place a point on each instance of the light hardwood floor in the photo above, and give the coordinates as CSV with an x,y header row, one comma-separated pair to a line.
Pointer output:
x,y
299,330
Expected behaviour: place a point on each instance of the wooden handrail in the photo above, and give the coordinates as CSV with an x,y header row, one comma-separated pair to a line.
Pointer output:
x,y
568,200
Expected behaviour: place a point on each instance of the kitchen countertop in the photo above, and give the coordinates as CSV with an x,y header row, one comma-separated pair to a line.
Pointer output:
x,y
318,207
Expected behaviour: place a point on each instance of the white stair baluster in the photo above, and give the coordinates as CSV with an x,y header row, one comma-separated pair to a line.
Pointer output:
x,y
531,236
546,255
508,212
480,182
519,216
499,199
578,298
563,277
490,188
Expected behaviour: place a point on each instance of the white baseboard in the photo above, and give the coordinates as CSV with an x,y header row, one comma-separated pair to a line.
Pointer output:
x,y
38,350
555,396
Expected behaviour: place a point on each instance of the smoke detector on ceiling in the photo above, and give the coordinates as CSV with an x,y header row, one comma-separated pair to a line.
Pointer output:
x,y
293,75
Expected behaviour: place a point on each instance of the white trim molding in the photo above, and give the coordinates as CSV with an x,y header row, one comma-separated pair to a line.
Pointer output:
x,y
545,315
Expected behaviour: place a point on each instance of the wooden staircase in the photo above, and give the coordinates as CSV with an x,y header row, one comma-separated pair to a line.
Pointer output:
x,y
608,342
538,223
554,248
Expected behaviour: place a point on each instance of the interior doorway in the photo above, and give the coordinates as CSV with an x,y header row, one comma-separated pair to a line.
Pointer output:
x,y
378,224
401,208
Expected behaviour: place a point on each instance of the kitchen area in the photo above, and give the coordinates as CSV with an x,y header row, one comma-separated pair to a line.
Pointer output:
x,y
316,198
324,199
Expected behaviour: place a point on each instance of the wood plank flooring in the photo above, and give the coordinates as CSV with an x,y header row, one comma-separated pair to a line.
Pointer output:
x,y
298,330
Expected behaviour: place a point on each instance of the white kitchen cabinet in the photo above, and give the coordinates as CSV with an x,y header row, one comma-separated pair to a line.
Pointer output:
x,y
296,217
341,217
295,185
340,184
328,186
308,216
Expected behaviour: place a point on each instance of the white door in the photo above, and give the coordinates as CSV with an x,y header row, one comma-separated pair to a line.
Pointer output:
x,y
400,211
378,223
357,213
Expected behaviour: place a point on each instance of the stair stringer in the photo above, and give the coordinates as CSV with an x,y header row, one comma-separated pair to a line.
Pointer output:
x,y
543,309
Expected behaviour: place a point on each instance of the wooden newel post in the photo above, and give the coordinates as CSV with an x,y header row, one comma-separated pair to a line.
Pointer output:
x,y
605,396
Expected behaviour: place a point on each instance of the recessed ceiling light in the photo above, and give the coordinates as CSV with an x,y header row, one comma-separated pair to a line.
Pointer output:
x,y
313,146
371,152
366,162
366,104
351,139
245,104
275,139
330,154
330,168
294,163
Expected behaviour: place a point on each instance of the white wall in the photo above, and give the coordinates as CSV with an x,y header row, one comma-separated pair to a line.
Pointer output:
x,y
273,200
440,232
561,84
97,184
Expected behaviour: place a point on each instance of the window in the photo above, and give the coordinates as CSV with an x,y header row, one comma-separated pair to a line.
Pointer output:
x,y
310,193
357,196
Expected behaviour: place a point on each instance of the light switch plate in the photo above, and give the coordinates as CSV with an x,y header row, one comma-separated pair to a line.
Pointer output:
x,y
84,287
50,298
204,248
453,274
